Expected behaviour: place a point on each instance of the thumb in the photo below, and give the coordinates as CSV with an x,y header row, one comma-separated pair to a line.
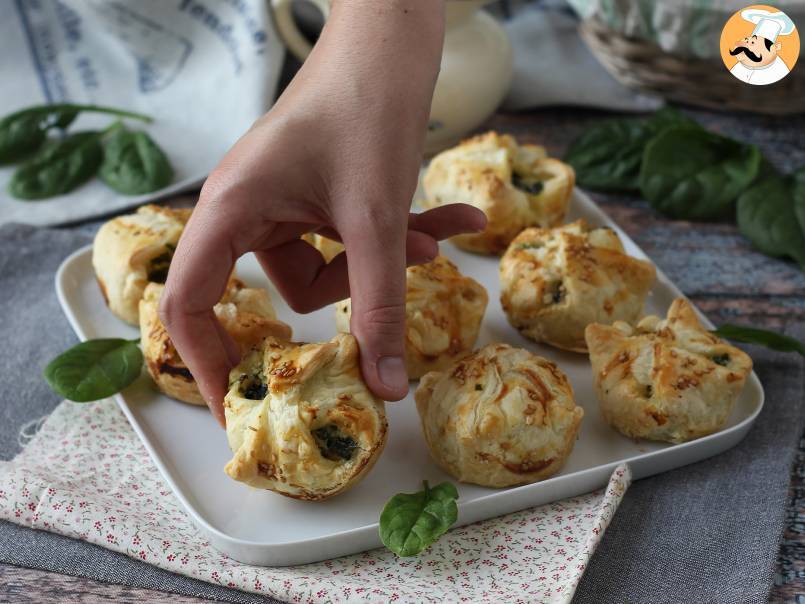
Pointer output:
x,y
376,266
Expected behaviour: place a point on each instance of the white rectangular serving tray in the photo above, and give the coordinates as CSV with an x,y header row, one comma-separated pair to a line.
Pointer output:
x,y
261,527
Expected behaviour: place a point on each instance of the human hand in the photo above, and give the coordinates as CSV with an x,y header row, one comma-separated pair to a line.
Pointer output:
x,y
339,153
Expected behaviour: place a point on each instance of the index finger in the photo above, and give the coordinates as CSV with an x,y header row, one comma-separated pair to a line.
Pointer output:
x,y
197,278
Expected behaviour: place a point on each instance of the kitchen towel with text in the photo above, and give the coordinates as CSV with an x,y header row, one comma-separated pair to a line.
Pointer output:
x,y
204,70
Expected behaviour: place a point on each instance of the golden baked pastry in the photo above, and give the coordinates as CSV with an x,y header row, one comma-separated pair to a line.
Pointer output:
x,y
500,417
300,420
555,282
669,380
328,248
133,250
443,312
516,186
246,313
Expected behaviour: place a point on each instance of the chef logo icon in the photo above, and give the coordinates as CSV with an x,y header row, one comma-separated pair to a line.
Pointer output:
x,y
760,45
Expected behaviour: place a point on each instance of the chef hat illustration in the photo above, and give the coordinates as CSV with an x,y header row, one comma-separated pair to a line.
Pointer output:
x,y
768,25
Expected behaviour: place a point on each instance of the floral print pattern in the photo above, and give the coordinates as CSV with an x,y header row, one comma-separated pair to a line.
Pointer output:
x,y
99,485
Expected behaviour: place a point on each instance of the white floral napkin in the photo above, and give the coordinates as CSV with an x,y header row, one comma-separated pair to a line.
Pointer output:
x,y
86,475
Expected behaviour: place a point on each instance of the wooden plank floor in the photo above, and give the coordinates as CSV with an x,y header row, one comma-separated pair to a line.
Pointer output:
x,y
711,263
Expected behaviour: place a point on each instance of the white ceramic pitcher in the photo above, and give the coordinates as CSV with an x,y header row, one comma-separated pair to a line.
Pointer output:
x,y
475,73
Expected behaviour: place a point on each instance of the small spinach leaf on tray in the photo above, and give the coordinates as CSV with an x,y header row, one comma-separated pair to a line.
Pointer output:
x,y
95,369
411,522
689,173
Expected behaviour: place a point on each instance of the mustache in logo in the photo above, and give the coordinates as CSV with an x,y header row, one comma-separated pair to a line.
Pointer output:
x,y
743,49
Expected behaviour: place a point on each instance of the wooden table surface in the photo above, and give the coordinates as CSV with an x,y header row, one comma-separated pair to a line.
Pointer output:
x,y
710,262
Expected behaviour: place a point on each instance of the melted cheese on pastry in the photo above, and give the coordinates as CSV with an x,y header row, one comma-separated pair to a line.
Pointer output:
x,y
500,417
300,420
555,282
670,380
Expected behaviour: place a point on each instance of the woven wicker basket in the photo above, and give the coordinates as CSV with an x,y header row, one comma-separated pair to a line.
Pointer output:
x,y
644,66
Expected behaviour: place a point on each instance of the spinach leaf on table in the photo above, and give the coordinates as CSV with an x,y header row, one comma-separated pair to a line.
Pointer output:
x,y
761,337
689,173
767,215
607,157
95,369
61,166
133,164
24,132
411,522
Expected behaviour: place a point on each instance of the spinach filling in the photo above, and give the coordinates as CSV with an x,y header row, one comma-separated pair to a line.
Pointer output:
x,y
333,444
158,267
721,359
556,291
254,388
532,186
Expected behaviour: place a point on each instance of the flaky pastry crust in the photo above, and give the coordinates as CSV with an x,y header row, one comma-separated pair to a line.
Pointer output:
x,y
516,186
555,282
301,421
443,313
500,417
133,250
668,380
245,313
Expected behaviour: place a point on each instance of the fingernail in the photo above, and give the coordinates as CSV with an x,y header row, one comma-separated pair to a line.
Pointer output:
x,y
391,371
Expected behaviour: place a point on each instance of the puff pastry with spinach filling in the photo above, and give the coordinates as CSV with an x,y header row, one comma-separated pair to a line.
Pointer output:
x,y
665,379
555,282
516,186
134,250
300,420
245,313
443,313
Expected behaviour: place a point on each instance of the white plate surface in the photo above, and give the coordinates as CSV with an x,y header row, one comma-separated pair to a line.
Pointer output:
x,y
260,527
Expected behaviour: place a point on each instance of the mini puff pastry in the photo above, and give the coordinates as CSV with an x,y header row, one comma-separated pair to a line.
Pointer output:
x,y
300,420
245,313
516,186
443,312
131,251
328,248
555,282
669,380
498,418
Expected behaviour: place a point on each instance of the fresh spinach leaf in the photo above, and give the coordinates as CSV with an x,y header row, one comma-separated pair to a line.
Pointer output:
x,y
61,166
769,339
94,369
607,157
133,164
411,522
689,173
767,215
24,132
